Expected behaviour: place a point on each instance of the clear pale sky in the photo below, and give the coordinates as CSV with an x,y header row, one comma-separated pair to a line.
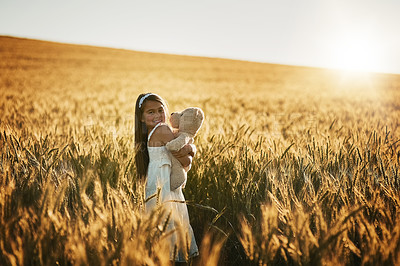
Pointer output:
x,y
352,34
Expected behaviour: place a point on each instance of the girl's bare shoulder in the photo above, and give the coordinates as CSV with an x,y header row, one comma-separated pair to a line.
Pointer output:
x,y
163,133
163,128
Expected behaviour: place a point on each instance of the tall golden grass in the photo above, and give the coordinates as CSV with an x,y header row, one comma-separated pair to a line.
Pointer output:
x,y
295,165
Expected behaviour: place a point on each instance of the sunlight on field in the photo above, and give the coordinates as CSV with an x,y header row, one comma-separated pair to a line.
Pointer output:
x,y
295,165
357,83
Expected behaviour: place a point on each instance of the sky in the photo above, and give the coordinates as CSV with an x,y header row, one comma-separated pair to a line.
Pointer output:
x,y
356,35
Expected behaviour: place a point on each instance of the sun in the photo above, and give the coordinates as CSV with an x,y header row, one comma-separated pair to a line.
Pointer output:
x,y
355,52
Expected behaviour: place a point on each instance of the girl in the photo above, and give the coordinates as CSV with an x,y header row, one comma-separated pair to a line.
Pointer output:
x,y
153,163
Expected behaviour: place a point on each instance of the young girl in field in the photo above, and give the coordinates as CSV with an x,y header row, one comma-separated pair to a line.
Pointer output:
x,y
153,163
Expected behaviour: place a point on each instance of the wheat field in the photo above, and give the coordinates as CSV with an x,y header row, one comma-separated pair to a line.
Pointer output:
x,y
295,165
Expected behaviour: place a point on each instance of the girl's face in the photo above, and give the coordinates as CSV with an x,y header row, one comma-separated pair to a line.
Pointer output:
x,y
153,113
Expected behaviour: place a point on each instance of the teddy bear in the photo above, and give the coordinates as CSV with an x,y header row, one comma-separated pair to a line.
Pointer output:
x,y
187,123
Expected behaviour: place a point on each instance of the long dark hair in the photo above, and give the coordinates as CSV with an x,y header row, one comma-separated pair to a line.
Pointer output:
x,y
142,154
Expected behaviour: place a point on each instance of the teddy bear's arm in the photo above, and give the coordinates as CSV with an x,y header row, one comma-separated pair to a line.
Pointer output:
x,y
178,143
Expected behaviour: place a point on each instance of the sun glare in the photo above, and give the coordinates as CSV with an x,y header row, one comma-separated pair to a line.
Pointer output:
x,y
355,52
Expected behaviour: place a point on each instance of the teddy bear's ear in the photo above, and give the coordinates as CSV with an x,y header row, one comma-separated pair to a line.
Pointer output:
x,y
199,113
199,118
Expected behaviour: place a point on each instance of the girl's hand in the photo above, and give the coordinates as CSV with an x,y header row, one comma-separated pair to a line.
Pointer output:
x,y
185,160
185,155
193,150
188,149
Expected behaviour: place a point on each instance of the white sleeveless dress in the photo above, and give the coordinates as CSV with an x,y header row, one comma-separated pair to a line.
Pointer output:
x,y
158,176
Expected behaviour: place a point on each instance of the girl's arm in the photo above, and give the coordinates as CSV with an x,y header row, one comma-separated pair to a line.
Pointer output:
x,y
185,155
187,149
185,160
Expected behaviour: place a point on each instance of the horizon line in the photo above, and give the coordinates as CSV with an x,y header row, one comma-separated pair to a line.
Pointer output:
x,y
197,56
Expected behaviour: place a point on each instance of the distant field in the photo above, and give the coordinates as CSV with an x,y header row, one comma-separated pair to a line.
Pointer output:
x,y
295,165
